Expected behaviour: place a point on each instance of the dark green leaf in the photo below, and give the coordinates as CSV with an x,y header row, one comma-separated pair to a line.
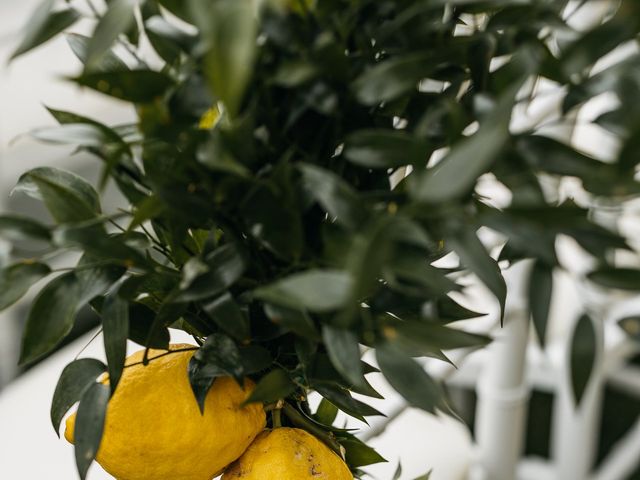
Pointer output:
x,y
16,279
226,313
313,290
68,197
74,380
229,32
43,25
117,19
344,352
298,321
410,380
540,290
475,257
456,174
274,386
620,278
89,425
219,356
136,86
115,330
583,356
54,309
141,331
334,195
255,359
326,413
398,472
342,399
631,326
108,61
215,273
385,149
17,229
359,454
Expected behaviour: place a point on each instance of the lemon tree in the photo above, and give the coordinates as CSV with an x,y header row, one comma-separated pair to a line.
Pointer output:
x,y
258,215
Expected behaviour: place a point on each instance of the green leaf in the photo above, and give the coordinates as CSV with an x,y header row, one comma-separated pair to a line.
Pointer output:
x,y
298,321
391,78
342,399
141,328
115,330
382,148
474,256
43,25
398,472
220,269
107,62
313,290
218,356
456,174
56,306
620,278
226,313
68,197
335,195
359,454
410,380
540,291
274,386
115,21
583,356
229,30
74,381
429,338
16,279
344,352
18,229
136,86
326,413
90,425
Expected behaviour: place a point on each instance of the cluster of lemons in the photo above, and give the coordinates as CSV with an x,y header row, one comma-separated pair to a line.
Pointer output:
x,y
155,430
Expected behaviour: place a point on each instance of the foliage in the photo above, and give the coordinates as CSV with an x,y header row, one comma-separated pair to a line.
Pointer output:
x,y
271,232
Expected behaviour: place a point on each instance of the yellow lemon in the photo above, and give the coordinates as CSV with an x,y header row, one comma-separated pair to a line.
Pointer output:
x,y
154,428
288,454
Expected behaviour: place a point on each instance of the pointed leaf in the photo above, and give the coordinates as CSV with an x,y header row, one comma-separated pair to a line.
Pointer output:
x,y
313,290
16,279
43,25
228,28
90,425
326,413
136,86
344,352
474,256
335,195
68,197
410,380
620,278
54,309
226,313
583,355
385,149
74,380
359,454
540,290
274,386
219,356
298,321
16,228
115,330
108,61
116,20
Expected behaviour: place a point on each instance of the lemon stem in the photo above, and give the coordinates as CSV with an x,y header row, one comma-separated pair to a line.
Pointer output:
x,y
276,418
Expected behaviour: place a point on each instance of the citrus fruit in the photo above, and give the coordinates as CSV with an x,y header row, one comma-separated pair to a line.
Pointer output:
x,y
288,454
154,428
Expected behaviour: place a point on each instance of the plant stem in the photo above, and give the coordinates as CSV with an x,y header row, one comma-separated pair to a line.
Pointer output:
x,y
299,421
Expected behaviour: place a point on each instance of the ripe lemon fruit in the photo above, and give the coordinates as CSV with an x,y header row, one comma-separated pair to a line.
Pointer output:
x,y
154,429
288,454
